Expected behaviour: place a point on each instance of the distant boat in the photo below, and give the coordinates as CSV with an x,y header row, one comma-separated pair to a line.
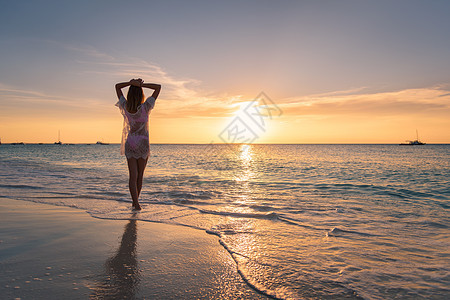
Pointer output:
x,y
59,138
413,143
101,143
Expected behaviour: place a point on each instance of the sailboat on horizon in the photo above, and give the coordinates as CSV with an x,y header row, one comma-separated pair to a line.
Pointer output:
x,y
59,138
413,143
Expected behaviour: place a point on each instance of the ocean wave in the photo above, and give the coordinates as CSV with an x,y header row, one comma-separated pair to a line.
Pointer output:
x,y
189,201
374,189
415,193
179,194
226,229
335,232
269,215
434,224
21,186
261,207
111,193
191,195
103,196
299,223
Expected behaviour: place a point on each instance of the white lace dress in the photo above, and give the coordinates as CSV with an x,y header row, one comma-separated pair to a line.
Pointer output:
x,y
135,141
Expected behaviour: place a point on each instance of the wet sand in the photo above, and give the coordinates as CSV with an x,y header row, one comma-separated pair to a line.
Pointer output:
x,y
50,252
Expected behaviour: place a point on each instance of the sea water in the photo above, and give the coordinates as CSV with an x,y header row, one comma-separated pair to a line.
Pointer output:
x,y
300,221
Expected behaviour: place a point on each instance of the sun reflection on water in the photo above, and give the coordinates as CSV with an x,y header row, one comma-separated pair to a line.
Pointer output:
x,y
246,161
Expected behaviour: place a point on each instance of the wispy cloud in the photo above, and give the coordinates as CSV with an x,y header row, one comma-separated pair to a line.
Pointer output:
x,y
85,50
183,97
404,102
22,104
13,96
125,67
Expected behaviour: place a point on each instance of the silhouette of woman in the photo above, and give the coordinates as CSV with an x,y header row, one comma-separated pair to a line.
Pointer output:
x,y
135,140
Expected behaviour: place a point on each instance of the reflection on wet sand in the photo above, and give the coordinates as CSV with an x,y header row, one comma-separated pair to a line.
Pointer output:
x,y
122,272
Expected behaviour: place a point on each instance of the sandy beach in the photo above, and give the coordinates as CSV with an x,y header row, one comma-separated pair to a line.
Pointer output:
x,y
51,252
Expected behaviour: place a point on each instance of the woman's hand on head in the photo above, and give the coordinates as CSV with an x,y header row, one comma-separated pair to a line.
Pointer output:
x,y
137,82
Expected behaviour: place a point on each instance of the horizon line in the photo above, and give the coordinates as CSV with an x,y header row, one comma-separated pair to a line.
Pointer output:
x,y
105,144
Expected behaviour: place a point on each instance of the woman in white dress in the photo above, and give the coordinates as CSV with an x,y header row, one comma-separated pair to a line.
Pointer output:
x,y
135,139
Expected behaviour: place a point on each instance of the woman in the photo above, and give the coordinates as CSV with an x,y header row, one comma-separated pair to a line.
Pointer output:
x,y
135,142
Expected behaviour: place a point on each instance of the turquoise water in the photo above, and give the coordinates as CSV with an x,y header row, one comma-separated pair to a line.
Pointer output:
x,y
301,221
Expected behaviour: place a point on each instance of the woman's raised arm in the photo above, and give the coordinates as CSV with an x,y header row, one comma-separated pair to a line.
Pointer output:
x,y
154,86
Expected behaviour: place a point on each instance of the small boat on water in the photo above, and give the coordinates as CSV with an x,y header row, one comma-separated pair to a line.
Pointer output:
x,y
413,143
59,138
101,143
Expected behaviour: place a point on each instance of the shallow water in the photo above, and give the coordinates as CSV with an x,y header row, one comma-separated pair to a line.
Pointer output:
x,y
301,221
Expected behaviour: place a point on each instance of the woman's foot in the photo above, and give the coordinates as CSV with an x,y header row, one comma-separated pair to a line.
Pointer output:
x,y
136,206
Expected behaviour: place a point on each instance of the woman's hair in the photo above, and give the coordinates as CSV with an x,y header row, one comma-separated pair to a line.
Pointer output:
x,y
135,97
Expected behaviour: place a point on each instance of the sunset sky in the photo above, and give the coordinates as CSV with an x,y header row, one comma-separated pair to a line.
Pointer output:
x,y
337,71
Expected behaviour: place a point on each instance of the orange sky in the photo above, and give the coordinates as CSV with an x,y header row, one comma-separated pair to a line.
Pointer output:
x,y
337,72
341,117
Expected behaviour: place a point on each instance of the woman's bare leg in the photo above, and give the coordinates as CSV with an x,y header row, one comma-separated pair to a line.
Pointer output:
x,y
132,183
141,163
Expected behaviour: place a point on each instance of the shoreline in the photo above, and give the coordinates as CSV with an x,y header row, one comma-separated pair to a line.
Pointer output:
x,y
56,252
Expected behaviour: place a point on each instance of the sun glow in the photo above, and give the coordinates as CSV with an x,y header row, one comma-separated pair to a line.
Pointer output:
x,y
248,124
